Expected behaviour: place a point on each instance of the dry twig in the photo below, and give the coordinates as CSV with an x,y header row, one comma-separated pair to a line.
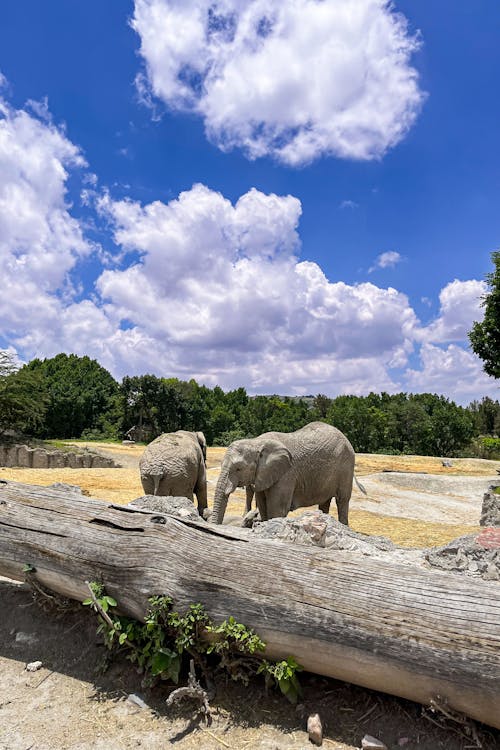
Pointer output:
x,y
193,691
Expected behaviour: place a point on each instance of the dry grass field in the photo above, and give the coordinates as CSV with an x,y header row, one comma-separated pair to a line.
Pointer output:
x,y
122,485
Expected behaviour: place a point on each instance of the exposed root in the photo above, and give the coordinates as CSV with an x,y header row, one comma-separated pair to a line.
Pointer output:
x,y
193,691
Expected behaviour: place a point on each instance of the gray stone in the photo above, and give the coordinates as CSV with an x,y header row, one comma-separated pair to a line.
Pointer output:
x,y
447,463
40,459
100,462
34,666
490,511
315,729
57,460
467,556
25,457
137,700
71,460
372,743
86,460
180,507
11,456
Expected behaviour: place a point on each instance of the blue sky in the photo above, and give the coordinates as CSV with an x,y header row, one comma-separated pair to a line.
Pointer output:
x,y
294,197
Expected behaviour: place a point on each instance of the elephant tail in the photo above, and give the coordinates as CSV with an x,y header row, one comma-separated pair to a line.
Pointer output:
x,y
360,486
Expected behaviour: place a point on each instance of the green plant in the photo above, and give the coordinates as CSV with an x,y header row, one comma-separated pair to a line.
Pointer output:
x,y
157,645
284,674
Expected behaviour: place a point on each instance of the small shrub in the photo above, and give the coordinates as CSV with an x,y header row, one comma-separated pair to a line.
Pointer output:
x,y
157,646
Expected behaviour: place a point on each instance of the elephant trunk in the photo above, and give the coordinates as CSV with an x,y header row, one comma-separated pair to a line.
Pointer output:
x,y
156,480
221,496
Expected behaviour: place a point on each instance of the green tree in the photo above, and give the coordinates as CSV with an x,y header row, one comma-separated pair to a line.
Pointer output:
x,y
485,337
82,395
23,397
361,421
486,415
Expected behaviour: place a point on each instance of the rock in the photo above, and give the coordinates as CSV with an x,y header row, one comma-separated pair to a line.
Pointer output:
x,y
371,743
473,555
128,442
315,729
490,511
173,506
34,666
137,700
447,463
492,573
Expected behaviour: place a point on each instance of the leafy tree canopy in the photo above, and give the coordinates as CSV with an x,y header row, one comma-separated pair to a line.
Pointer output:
x,y
23,400
81,394
485,337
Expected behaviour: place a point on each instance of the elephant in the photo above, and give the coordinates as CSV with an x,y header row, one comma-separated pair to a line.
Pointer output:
x,y
175,464
289,471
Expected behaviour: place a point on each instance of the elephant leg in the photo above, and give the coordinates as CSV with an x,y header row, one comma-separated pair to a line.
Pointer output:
x,y
201,489
148,485
278,501
249,497
260,501
342,502
325,507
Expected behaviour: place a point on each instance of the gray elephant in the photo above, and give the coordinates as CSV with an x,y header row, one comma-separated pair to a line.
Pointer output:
x,y
174,464
289,470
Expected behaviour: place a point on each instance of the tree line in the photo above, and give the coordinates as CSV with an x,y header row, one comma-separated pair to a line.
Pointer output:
x,y
68,396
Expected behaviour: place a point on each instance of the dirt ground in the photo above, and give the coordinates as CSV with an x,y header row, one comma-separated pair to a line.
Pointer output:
x,y
70,705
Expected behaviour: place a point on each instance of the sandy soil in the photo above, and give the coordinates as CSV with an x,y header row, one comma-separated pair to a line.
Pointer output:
x,y
67,705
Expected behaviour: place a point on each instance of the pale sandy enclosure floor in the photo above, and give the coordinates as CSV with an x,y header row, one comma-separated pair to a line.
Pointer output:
x,y
65,706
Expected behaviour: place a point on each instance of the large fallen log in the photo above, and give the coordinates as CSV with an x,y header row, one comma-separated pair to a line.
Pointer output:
x,y
397,628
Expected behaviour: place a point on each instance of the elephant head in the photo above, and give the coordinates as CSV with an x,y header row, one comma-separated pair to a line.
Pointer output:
x,y
255,462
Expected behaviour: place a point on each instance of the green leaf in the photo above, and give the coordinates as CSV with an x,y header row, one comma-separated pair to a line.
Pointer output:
x,y
160,662
175,668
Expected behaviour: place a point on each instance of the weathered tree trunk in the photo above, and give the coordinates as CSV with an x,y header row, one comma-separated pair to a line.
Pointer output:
x,y
400,629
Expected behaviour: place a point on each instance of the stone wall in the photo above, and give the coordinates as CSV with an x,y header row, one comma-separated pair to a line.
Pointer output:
x,y
40,458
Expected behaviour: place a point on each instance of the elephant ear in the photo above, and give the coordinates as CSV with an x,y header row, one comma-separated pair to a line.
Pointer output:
x,y
274,460
203,444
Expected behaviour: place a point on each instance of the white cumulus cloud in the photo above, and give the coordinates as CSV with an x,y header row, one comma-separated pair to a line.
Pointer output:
x,y
40,242
221,291
460,306
293,79
386,260
453,371
205,288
